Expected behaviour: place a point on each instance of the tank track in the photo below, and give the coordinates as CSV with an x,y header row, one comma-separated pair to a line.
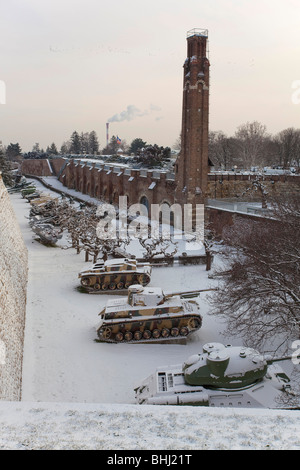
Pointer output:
x,y
112,287
138,333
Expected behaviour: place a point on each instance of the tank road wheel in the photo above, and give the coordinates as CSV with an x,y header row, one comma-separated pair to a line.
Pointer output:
x,y
184,331
112,285
119,337
165,332
156,333
174,332
120,285
105,333
97,286
127,284
128,336
137,335
104,286
85,281
147,334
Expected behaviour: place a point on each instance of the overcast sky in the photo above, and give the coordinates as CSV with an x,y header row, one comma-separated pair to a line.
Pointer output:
x,y
77,64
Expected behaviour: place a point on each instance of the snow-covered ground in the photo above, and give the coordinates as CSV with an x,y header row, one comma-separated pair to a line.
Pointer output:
x,y
62,361
72,426
79,394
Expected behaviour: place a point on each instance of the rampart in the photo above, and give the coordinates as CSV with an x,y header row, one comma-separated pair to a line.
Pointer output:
x,y
13,288
107,181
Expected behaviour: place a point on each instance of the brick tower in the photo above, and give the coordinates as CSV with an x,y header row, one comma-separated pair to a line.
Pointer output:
x,y
192,164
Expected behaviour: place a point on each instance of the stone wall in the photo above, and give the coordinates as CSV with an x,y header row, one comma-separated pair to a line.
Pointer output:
x,y
241,186
36,168
108,181
13,287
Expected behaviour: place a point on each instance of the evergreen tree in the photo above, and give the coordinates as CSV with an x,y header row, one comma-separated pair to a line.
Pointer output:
x,y
13,151
84,143
93,143
53,149
5,169
136,145
75,143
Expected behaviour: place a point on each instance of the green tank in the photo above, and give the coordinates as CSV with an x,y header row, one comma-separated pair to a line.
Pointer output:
x,y
27,191
116,274
221,376
147,314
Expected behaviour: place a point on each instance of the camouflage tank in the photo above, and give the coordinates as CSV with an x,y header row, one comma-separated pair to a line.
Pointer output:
x,y
40,199
147,314
115,274
221,376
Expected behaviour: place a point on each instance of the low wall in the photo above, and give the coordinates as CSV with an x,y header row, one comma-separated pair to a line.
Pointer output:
x,y
13,287
243,186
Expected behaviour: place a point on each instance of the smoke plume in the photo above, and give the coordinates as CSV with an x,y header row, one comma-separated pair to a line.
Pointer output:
x,y
132,112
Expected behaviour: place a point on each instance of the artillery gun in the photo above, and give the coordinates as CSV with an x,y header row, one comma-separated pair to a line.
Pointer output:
x,y
117,274
19,186
221,376
47,233
148,315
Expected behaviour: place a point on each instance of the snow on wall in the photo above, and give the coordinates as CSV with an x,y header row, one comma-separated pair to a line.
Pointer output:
x,y
13,284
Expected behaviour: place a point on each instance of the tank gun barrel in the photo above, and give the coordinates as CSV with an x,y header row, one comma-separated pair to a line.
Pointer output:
x,y
191,292
278,359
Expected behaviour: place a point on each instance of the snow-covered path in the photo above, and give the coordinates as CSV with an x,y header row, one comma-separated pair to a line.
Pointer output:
x,y
62,362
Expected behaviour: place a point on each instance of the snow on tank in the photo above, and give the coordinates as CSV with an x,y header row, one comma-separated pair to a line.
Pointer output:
x,y
148,314
115,274
222,376
48,233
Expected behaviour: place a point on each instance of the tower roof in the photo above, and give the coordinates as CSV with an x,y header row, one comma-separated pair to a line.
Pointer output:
x,y
197,32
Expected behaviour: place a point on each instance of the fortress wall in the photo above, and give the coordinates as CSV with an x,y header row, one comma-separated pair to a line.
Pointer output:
x,y
36,168
104,181
13,287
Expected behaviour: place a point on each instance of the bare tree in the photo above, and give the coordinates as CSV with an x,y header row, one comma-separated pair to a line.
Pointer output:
x,y
222,150
260,281
288,147
253,140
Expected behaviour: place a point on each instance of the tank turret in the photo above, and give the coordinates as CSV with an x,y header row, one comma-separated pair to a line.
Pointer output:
x,y
116,274
147,314
219,376
221,366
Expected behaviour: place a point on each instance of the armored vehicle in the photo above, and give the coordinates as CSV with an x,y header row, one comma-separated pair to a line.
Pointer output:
x,y
115,274
47,232
221,376
40,200
27,191
147,314
35,195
